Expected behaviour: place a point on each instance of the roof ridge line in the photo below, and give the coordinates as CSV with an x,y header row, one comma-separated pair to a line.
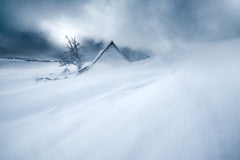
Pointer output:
x,y
105,49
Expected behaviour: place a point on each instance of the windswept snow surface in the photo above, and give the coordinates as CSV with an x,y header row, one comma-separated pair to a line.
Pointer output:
x,y
183,107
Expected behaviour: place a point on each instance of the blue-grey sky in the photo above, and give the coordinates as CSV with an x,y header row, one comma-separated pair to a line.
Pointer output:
x,y
155,25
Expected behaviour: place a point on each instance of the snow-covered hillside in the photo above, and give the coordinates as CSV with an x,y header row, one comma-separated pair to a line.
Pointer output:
x,y
186,106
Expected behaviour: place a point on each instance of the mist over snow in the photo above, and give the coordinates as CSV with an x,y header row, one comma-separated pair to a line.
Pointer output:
x,y
181,103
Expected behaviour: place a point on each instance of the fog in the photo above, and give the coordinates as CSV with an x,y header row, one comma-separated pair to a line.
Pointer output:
x,y
186,107
181,103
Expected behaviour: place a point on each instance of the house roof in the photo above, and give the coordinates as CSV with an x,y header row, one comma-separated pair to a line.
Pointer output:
x,y
100,54
104,50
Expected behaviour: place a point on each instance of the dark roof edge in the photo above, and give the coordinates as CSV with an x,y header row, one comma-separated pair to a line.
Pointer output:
x,y
104,50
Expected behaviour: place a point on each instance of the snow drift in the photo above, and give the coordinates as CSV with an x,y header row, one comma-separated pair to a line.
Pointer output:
x,y
180,107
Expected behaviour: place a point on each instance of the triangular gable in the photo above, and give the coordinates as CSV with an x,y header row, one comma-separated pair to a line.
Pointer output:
x,y
101,53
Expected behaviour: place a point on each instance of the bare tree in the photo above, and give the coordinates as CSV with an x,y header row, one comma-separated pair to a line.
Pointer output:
x,y
75,54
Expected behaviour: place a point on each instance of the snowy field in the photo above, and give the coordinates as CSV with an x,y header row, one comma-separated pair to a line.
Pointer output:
x,y
168,107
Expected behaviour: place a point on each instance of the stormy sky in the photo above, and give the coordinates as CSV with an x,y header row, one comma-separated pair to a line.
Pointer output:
x,y
33,26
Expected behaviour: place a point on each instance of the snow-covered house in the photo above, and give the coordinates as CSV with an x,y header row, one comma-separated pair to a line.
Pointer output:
x,y
111,55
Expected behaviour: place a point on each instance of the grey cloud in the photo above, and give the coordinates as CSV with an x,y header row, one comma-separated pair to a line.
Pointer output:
x,y
152,25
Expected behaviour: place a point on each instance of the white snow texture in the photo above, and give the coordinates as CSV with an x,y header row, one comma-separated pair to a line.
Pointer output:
x,y
180,107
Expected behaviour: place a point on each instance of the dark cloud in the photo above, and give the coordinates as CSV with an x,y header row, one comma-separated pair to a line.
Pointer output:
x,y
152,25
31,44
188,19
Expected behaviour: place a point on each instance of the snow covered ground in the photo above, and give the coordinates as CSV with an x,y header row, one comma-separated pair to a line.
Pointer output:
x,y
182,107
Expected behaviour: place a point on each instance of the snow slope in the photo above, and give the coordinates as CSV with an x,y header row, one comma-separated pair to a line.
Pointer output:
x,y
180,107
